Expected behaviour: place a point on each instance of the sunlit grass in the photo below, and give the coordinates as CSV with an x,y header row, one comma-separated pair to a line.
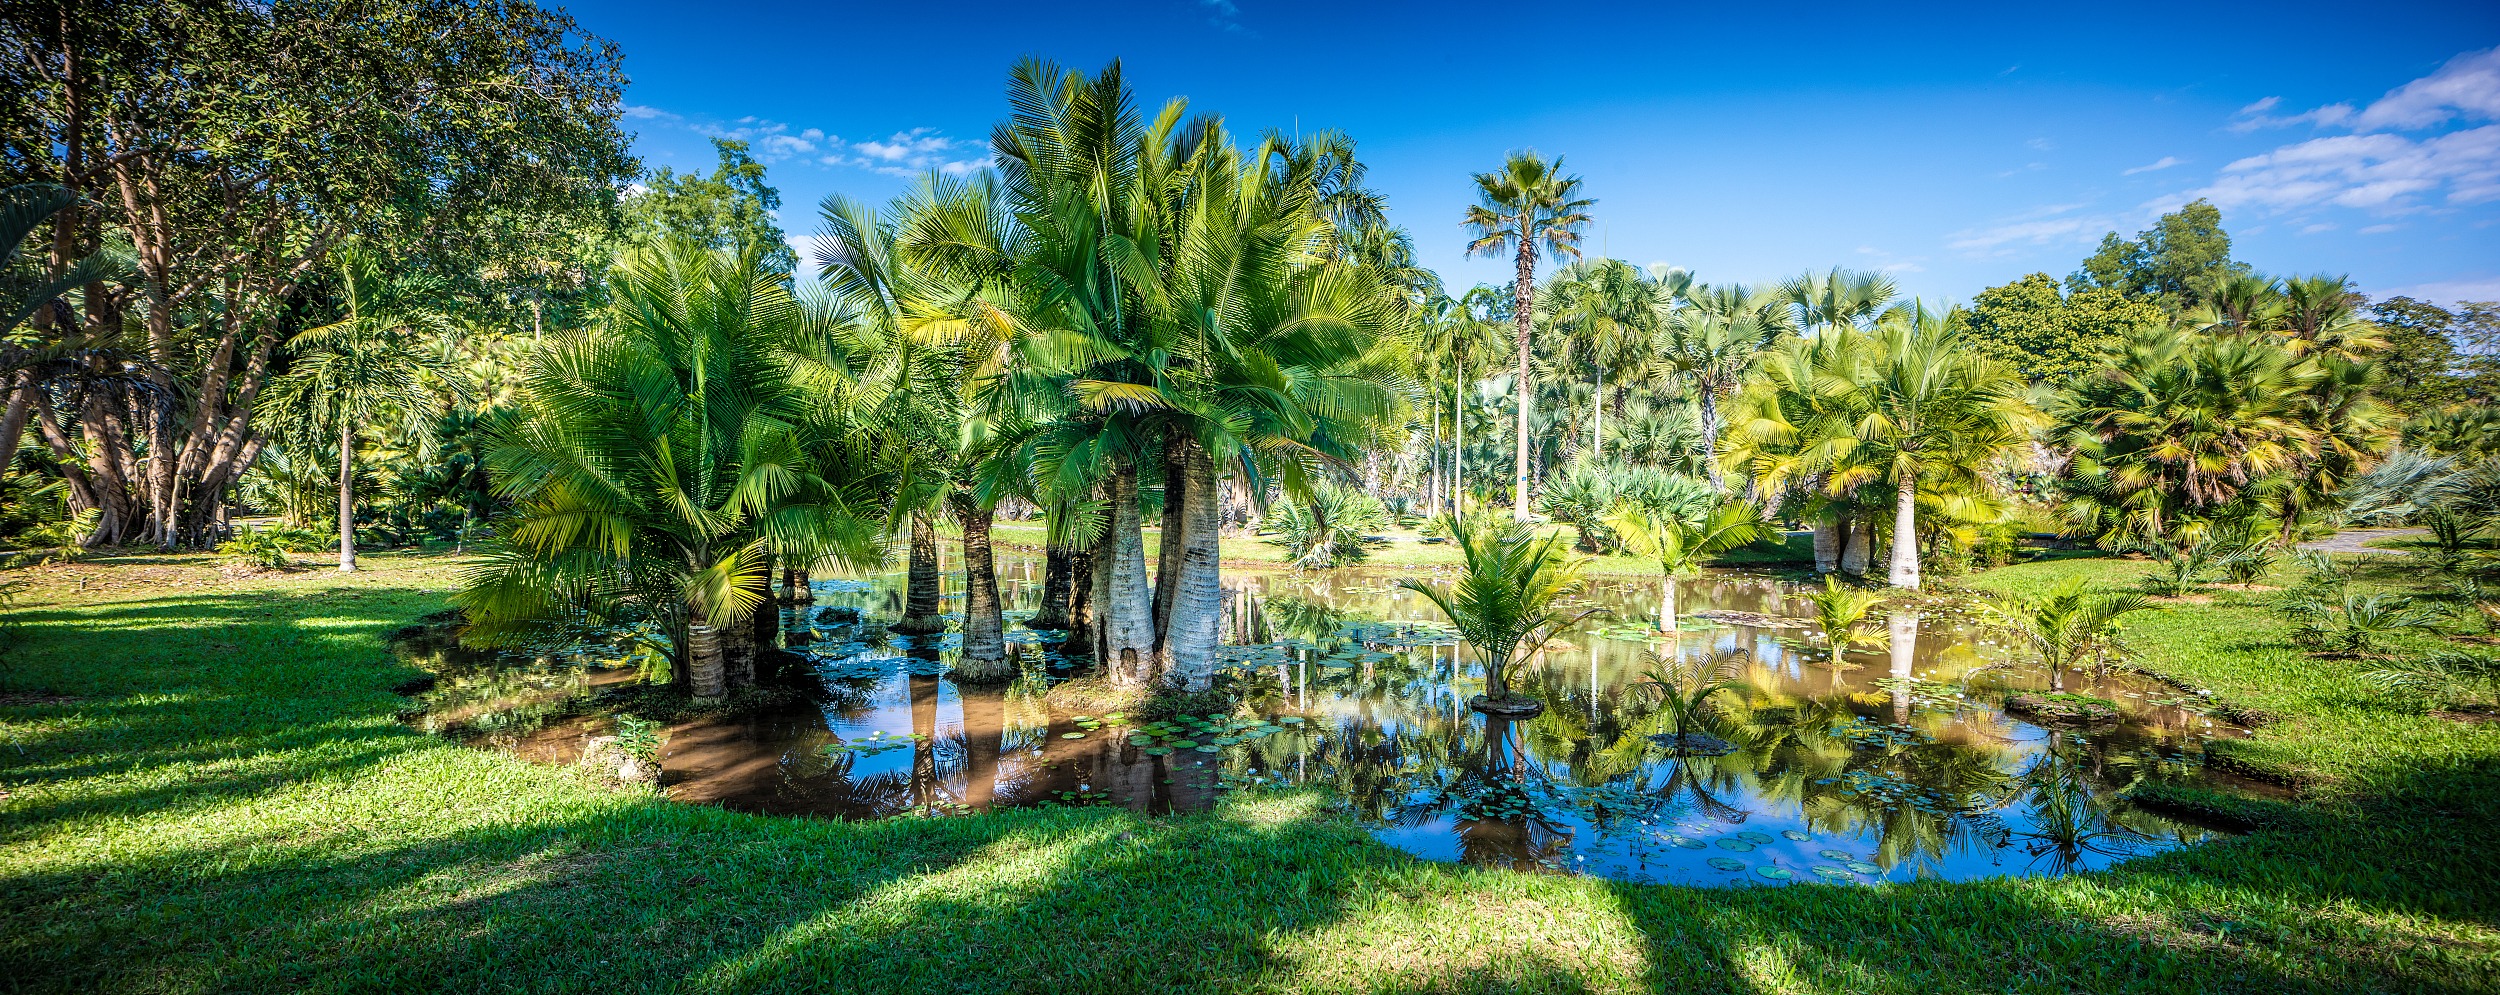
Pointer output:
x,y
226,804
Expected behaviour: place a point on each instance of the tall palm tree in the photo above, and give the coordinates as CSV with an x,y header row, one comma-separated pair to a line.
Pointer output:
x,y
1708,344
1526,203
1794,433
1936,411
369,363
1607,309
1841,298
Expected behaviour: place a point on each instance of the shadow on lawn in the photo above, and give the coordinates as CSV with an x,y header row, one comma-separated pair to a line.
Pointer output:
x,y
537,884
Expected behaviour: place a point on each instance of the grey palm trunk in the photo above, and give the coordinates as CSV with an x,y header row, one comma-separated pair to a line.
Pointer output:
x,y
1904,571
921,615
347,497
1524,301
1058,575
1127,610
1195,620
985,640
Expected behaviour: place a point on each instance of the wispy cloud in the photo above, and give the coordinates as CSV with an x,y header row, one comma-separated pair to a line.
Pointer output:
x,y
2053,224
1223,14
904,153
2164,162
2479,288
2373,168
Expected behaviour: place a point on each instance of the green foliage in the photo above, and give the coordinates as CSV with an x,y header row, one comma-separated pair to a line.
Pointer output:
x,y
2049,334
2180,262
731,210
2436,357
1509,598
1837,612
2067,627
2184,568
640,738
1684,685
57,540
2327,615
1337,527
253,546
2448,678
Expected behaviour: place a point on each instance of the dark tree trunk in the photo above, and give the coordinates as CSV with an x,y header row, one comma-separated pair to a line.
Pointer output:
x,y
1168,546
1057,567
985,643
1080,602
921,605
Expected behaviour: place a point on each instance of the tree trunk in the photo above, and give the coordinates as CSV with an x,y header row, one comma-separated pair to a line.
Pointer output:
x,y
1524,300
1710,437
1128,624
704,675
1169,540
347,497
1826,546
1666,605
985,729
13,422
1058,569
985,642
1597,431
1905,534
922,613
1197,610
737,654
1458,447
1854,551
1081,586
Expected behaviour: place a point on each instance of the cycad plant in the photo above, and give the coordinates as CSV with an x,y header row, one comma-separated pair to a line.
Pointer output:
x,y
1837,612
2355,624
1680,544
1333,529
1510,598
2069,629
2185,568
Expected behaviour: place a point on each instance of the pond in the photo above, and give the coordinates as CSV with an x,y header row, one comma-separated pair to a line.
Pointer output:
x,y
1899,763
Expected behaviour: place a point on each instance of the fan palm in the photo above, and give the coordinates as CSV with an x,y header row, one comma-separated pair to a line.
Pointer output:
x,y
1709,344
370,362
1935,412
1608,308
1526,203
1509,597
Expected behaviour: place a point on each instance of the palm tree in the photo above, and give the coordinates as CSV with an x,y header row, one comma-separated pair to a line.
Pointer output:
x,y
1709,344
1686,685
368,363
1526,203
2067,627
1837,612
1607,308
1509,598
1938,412
2177,429
656,458
1839,299
1680,544
1794,433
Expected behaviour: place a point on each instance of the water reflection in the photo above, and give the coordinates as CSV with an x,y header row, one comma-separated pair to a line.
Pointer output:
x,y
1892,765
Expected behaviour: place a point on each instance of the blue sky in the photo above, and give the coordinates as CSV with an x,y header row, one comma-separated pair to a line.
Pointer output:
x,y
1955,149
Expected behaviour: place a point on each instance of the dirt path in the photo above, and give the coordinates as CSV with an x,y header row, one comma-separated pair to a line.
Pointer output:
x,y
2351,540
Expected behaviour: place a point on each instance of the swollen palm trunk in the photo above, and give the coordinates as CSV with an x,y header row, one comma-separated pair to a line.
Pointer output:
x,y
1856,550
705,677
1196,620
1905,537
920,597
985,640
1058,568
1127,623
737,651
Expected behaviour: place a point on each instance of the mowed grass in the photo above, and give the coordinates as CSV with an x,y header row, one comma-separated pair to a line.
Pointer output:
x,y
224,803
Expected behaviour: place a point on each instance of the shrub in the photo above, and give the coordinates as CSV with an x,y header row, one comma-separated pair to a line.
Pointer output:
x,y
255,547
1333,530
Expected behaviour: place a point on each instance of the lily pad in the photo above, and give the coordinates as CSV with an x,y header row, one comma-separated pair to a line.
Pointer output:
x,y
1072,735
1732,843
1750,836
1839,855
1727,863
1795,835
1141,741
1157,751
1863,867
1184,743
1291,720
1774,873
1210,749
1829,873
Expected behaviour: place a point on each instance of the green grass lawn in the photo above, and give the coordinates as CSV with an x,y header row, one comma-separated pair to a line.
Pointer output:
x,y
206,791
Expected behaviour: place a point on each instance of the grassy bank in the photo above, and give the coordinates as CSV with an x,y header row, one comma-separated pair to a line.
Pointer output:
x,y
206,791
1408,548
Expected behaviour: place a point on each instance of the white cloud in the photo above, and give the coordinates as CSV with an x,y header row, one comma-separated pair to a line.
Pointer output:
x,y
2316,228
2039,227
2378,229
2379,172
905,153
2260,115
2164,162
2481,288
638,112
2468,87
2040,144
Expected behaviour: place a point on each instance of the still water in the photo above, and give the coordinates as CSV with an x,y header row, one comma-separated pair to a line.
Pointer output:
x,y
1895,764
